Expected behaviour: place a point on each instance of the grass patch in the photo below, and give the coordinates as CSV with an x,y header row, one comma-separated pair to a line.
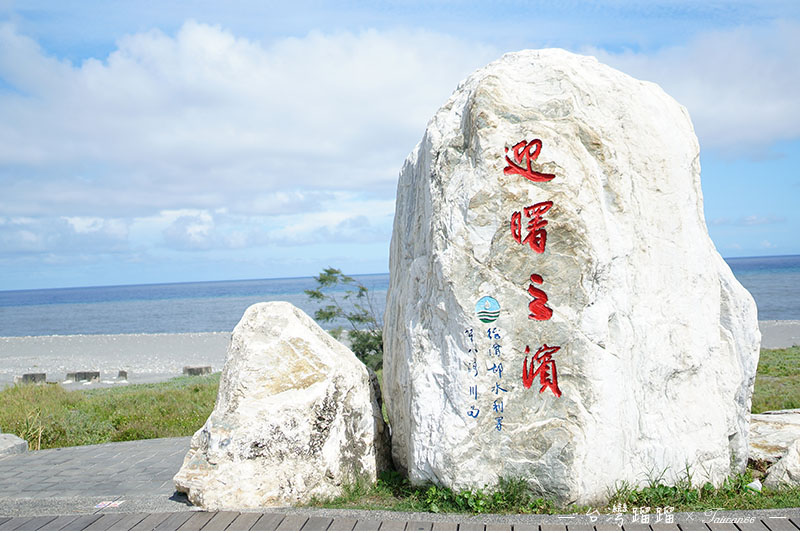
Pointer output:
x,y
732,495
52,417
777,380
394,492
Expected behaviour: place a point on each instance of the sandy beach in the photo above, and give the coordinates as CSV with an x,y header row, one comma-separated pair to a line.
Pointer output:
x,y
149,358
146,357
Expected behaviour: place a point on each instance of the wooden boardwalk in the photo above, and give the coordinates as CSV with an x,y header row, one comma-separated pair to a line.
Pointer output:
x,y
234,521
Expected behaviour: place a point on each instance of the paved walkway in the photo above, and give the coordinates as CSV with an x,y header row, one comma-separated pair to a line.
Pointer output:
x,y
128,486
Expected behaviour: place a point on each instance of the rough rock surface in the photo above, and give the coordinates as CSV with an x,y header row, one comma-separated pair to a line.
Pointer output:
x,y
11,444
787,470
657,341
297,416
772,433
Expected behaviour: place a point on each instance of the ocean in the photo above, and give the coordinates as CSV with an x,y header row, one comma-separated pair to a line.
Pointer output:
x,y
217,306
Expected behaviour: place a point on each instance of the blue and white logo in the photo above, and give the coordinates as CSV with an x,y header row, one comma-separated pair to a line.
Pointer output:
x,y
487,309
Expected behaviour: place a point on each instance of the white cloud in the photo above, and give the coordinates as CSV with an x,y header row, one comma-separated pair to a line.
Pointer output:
x,y
739,85
204,119
204,140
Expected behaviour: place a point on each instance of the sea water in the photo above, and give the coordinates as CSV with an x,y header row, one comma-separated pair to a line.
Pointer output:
x,y
774,282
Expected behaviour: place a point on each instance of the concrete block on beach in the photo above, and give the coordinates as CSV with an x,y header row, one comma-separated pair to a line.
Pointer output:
x,y
196,370
122,374
557,311
93,375
36,377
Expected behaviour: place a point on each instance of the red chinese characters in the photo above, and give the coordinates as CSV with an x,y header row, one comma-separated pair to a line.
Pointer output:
x,y
546,369
537,235
525,153
538,307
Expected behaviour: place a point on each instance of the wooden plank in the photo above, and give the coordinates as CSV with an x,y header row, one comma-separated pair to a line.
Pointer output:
x,y
419,526
498,527
663,526
607,526
82,522
692,526
721,526
105,522
60,522
220,521
127,521
175,521
293,522
471,526
244,522
553,527
367,525
635,526
317,523
778,524
795,521
150,522
392,525
526,527
445,526
196,521
757,525
341,523
37,522
14,523
268,522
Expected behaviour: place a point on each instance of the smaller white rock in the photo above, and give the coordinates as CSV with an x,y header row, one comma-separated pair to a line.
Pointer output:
x,y
297,416
772,433
787,470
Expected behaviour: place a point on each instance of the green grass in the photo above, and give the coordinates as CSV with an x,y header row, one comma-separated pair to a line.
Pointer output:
x,y
393,492
51,417
777,380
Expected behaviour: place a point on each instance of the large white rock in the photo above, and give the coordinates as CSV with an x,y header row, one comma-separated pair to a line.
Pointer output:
x,y
658,341
297,416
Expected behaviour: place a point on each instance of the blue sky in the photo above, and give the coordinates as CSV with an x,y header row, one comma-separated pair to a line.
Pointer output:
x,y
161,141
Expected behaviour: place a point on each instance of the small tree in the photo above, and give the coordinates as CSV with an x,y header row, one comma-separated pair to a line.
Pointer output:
x,y
365,334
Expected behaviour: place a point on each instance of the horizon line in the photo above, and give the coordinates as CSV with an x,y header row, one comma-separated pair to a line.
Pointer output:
x,y
156,283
